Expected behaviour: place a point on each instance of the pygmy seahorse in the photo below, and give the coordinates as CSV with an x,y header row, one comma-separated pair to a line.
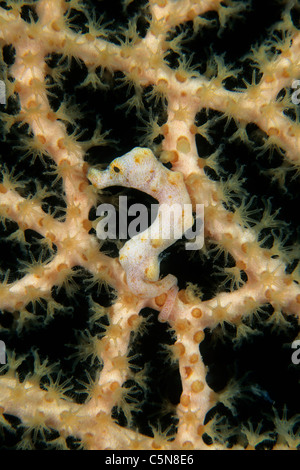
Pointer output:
x,y
139,256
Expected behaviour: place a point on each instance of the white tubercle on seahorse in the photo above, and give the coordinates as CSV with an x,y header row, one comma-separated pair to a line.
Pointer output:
x,y
139,169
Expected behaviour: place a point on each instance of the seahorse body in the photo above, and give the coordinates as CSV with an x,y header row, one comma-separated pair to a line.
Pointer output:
x,y
140,169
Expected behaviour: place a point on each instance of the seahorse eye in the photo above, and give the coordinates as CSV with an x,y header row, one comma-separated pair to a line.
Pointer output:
x,y
116,169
